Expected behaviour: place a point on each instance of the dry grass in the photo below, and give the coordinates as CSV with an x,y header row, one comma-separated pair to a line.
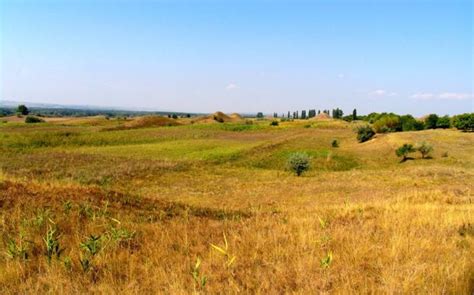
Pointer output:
x,y
358,222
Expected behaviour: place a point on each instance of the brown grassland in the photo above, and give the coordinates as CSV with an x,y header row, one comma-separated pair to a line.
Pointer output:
x,y
141,207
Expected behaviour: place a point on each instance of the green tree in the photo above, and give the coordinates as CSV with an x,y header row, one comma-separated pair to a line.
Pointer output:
x,y
22,110
354,115
404,150
431,121
299,162
337,113
388,123
408,123
464,122
424,148
260,115
443,122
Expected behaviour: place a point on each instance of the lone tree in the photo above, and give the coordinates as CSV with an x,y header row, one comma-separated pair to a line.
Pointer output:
x,y
259,115
22,110
299,162
424,148
404,150
354,115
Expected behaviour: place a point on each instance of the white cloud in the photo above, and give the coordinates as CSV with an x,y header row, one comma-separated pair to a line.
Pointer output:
x,y
381,92
422,96
454,96
442,96
231,86
378,92
341,76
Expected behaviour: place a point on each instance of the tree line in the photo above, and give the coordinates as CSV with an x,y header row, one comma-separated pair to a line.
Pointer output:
x,y
389,122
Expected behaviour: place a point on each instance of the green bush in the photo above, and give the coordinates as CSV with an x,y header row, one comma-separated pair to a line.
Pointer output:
x,y
431,121
335,143
274,123
443,122
404,150
388,123
365,133
424,148
299,163
464,122
31,119
408,123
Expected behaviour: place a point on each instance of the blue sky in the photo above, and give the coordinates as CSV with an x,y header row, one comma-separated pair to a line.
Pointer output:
x,y
240,56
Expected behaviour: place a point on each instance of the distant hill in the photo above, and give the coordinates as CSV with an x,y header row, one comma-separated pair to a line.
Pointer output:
x,y
7,107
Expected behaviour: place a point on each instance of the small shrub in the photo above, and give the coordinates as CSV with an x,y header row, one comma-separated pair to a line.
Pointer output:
x,y
404,150
15,250
424,148
365,133
335,143
92,245
444,155
326,261
51,240
31,119
274,123
299,163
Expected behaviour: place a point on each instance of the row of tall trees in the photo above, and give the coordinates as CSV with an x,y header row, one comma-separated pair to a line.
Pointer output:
x,y
335,113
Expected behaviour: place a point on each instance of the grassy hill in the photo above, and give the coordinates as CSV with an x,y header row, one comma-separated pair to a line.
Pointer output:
x,y
134,205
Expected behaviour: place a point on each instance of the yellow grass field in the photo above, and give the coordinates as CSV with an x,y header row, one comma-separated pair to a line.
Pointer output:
x,y
142,207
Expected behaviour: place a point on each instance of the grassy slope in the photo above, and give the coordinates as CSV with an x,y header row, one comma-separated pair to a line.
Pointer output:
x,y
390,227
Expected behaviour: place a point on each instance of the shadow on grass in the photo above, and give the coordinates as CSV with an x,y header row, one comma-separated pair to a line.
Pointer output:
x,y
406,159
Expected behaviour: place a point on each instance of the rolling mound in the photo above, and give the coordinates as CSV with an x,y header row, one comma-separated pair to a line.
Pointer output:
x,y
236,116
146,122
219,117
322,116
152,121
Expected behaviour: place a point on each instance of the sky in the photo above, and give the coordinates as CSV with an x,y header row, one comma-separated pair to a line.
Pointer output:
x,y
240,56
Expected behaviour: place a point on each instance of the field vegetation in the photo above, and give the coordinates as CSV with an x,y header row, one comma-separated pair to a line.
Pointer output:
x,y
213,205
